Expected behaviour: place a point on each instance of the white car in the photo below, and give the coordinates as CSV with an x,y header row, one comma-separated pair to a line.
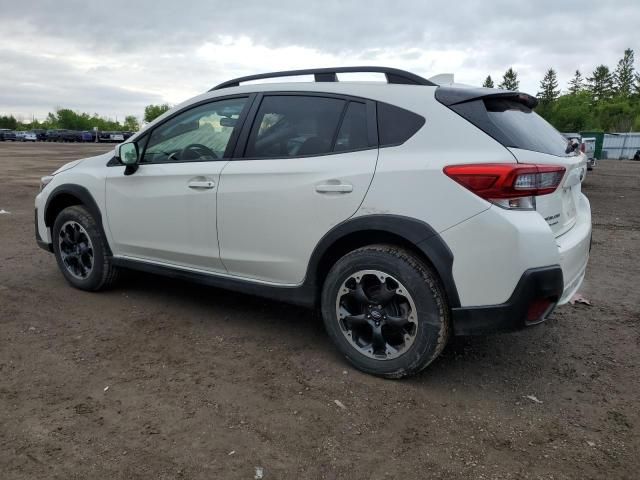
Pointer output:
x,y
26,136
406,211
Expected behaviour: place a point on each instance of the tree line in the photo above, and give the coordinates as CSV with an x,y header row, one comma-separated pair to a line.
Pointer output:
x,y
67,119
606,100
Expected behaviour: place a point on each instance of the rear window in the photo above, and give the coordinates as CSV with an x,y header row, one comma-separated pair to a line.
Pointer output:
x,y
521,127
513,125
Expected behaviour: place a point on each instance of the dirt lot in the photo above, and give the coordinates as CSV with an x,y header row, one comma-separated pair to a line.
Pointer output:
x,y
203,383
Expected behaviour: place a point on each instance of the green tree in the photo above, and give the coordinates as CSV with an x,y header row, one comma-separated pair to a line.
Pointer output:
x,y
488,82
8,121
570,113
510,80
600,84
576,85
68,119
151,112
131,123
617,115
549,90
623,77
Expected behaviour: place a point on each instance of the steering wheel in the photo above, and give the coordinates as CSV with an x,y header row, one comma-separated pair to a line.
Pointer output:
x,y
197,149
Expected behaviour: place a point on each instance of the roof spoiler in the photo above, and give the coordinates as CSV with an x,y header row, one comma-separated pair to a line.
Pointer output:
x,y
448,95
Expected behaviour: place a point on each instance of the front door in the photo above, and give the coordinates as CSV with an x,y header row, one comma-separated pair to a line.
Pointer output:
x,y
166,211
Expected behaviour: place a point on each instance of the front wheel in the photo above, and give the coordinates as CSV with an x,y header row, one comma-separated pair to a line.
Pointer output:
x,y
81,250
386,311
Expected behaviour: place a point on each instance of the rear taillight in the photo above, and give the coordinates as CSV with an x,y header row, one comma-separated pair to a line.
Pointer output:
x,y
508,185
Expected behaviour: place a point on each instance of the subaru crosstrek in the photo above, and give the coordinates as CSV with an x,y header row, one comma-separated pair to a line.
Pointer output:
x,y
405,211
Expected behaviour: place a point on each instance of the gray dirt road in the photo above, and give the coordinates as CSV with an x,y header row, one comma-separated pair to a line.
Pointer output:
x,y
203,383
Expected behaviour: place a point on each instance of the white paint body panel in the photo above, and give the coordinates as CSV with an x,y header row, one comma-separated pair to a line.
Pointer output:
x,y
271,217
155,215
90,173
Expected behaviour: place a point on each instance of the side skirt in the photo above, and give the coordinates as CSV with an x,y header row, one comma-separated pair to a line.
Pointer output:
x,y
302,295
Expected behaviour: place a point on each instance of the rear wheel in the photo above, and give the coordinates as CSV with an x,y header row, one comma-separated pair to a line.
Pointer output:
x,y
81,250
386,311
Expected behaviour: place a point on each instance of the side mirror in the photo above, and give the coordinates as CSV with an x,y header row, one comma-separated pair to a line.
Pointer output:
x,y
127,153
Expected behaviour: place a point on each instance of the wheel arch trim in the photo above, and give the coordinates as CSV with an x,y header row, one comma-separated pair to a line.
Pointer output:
x,y
417,234
85,198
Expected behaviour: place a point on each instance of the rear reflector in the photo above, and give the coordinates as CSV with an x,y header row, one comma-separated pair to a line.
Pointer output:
x,y
507,181
538,309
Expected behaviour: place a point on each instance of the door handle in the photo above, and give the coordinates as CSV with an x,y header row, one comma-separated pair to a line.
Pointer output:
x,y
201,184
334,188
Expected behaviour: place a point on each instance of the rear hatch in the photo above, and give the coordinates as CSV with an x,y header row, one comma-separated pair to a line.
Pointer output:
x,y
509,118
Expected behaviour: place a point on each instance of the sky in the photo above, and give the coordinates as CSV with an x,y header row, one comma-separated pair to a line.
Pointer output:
x,y
114,57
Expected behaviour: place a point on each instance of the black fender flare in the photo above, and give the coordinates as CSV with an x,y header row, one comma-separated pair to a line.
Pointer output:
x,y
420,235
82,194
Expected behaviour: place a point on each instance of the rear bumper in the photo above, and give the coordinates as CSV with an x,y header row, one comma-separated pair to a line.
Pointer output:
x,y
534,285
574,247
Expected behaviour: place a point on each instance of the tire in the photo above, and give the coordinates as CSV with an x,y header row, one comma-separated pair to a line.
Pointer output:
x,y
102,273
415,286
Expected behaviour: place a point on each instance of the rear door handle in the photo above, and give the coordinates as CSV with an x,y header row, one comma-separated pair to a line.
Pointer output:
x,y
334,188
201,184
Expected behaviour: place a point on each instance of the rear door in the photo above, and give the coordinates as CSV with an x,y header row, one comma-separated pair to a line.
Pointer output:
x,y
307,162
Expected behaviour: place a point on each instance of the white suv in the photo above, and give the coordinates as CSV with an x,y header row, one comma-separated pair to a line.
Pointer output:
x,y
406,211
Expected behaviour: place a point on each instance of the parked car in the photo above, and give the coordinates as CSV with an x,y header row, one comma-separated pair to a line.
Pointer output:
x,y
41,135
54,135
88,136
6,135
26,136
405,213
111,136
71,136
116,137
103,136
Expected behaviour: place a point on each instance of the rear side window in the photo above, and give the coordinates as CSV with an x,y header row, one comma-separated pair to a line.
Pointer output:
x,y
396,125
353,130
294,126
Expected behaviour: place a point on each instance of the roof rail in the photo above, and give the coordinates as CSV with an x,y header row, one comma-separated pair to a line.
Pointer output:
x,y
393,75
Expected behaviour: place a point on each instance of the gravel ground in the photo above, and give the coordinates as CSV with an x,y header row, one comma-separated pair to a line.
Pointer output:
x,y
159,378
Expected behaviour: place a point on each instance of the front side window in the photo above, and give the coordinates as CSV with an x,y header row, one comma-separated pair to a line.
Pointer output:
x,y
294,126
199,134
